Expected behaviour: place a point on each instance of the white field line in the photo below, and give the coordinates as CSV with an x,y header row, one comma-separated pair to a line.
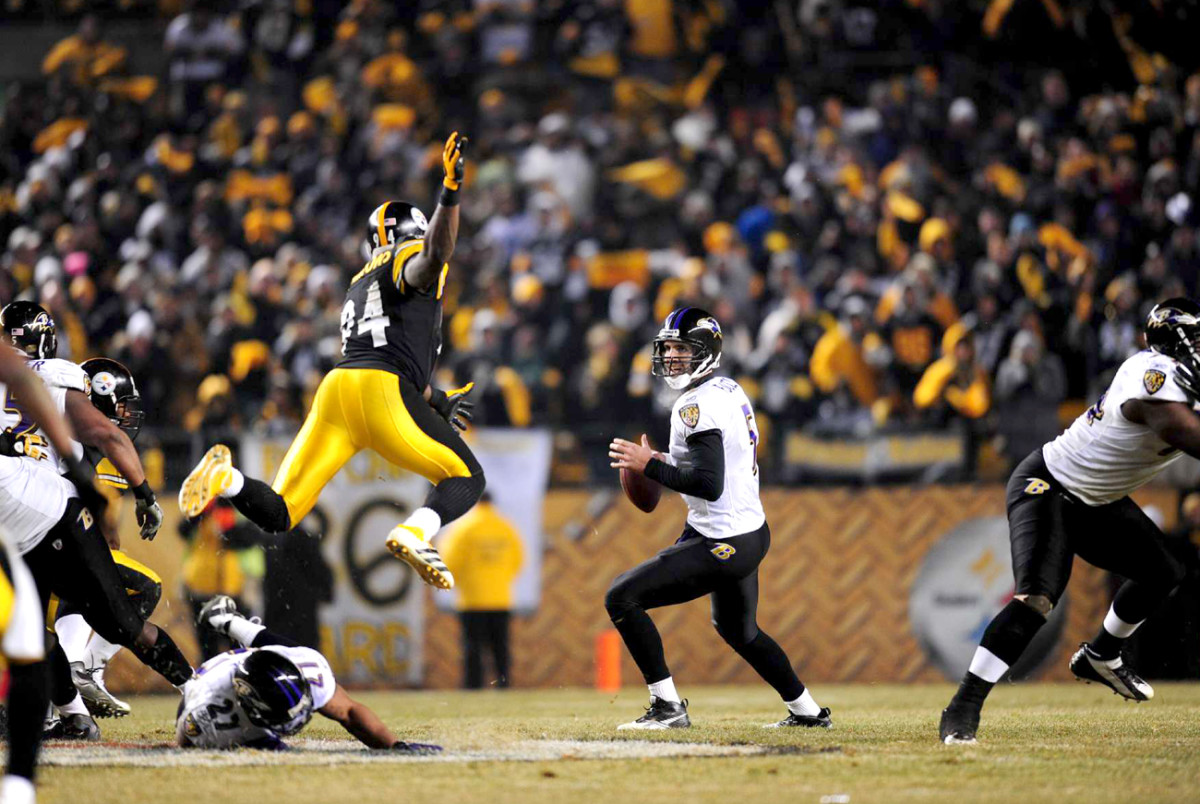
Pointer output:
x,y
344,752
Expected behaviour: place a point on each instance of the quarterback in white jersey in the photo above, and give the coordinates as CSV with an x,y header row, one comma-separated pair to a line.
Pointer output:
x,y
713,464
1071,498
268,689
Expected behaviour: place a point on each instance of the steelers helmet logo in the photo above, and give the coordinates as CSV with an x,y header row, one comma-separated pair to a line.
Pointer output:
x,y
690,414
723,551
104,383
1153,380
419,218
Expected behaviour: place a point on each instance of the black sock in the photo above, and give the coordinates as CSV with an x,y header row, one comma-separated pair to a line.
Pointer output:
x,y
259,503
1006,637
642,640
265,638
27,699
769,661
454,496
165,658
59,686
1133,603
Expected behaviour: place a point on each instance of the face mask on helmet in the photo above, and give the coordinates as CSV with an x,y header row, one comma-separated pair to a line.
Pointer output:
x,y
700,333
30,329
273,693
114,393
1173,329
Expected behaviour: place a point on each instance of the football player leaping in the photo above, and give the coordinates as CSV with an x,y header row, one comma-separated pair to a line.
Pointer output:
x,y
1071,497
266,690
379,395
713,464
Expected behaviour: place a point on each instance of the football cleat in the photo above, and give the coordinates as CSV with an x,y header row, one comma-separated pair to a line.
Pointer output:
x,y
1113,673
211,476
89,681
405,543
416,749
217,614
660,715
73,727
818,721
959,724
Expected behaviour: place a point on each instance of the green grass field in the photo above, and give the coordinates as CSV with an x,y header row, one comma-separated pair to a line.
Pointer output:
x,y
1059,743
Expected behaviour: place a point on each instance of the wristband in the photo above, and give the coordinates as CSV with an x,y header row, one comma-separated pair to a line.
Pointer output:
x,y
144,492
449,198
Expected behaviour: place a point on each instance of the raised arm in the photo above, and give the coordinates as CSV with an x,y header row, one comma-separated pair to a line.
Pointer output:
x,y
424,269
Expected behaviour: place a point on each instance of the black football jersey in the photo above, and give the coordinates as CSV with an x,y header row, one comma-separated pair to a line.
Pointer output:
x,y
388,325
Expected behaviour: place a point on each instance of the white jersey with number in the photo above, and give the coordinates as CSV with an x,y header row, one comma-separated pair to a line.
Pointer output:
x,y
720,404
60,377
33,495
210,715
1103,456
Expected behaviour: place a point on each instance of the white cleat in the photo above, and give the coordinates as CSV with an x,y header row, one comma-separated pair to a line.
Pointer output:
x,y
1112,673
205,483
99,701
406,544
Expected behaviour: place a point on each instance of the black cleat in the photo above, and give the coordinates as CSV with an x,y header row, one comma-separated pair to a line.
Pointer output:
x,y
73,727
818,721
415,749
660,715
1115,674
959,724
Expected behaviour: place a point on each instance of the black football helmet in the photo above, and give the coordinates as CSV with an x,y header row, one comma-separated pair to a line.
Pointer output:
x,y
394,222
31,329
273,692
1173,329
115,394
698,329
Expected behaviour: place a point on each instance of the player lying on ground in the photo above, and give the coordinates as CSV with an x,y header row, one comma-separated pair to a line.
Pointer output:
x,y
59,539
378,396
23,641
713,464
266,690
1071,498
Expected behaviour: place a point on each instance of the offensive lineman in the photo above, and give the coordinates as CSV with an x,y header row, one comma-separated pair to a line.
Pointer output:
x,y
378,395
268,689
713,464
23,641
1071,497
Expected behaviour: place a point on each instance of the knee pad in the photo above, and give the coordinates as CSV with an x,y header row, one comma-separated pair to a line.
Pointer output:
x,y
1042,604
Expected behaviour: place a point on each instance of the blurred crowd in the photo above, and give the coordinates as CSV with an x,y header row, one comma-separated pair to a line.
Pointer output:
x,y
893,231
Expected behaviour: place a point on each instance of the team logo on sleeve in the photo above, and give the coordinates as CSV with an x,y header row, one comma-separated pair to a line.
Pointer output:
x,y
1037,486
690,414
722,551
1153,380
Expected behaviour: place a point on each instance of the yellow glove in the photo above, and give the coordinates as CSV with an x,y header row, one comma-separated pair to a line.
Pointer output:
x,y
453,161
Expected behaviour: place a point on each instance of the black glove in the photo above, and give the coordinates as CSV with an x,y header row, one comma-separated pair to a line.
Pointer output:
x,y
84,481
1186,377
8,445
149,513
453,406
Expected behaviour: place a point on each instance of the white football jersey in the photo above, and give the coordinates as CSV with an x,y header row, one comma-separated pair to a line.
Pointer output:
x,y
33,495
1103,456
211,717
721,404
60,376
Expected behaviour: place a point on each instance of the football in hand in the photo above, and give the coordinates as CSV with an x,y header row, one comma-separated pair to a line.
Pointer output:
x,y
641,490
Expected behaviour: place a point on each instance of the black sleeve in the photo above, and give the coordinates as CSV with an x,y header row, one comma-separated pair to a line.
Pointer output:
x,y
701,474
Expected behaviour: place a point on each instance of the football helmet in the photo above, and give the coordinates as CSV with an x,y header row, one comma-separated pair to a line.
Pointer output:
x,y
698,329
394,222
1173,329
273,692
115,394
30,329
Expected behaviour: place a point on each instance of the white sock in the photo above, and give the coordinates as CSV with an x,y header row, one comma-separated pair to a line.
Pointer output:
x,y
1118,627
73,632
17,790
75,707
665,690
99,652
804,705
988,665
425,520
236,481
243,630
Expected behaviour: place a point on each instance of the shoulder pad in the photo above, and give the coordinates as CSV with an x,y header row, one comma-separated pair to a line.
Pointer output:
x,y
58,373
